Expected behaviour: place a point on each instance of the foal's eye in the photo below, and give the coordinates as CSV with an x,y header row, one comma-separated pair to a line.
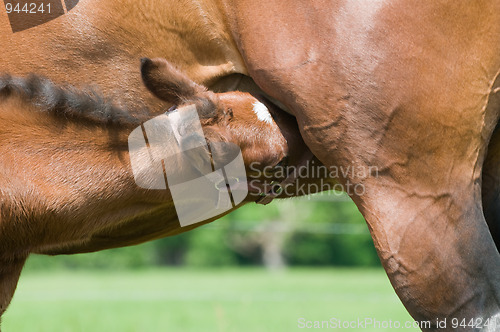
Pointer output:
x,y
171,109
283,163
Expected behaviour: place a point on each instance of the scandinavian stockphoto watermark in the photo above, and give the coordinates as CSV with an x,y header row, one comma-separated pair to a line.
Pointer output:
x,y
205,180
319,178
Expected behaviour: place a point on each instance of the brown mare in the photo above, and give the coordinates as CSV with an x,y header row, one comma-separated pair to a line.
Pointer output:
x,y
408,87
67,185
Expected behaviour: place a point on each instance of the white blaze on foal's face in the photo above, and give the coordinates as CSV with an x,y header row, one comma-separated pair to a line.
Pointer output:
x,y
252,127
262,112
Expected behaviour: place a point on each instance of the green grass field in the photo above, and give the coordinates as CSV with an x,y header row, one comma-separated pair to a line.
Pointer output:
x,y
199,300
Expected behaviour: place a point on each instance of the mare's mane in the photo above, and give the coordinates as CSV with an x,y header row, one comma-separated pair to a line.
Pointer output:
x,y
66,102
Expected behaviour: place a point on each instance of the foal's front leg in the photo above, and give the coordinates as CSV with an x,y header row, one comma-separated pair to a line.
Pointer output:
x,y
10,269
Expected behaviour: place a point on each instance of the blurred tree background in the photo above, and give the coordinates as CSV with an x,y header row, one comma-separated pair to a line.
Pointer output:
x,y
319,230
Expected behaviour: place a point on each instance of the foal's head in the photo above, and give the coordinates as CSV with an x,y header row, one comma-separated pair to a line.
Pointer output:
x,y
234,117
267,139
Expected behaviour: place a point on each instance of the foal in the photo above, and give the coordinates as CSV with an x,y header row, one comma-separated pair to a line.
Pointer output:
x,y
266,136
66,184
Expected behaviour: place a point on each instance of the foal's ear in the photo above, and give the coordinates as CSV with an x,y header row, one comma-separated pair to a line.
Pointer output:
x,y
167,82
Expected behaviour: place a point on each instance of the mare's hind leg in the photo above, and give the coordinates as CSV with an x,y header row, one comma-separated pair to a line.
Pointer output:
x,y
491,187
10,269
